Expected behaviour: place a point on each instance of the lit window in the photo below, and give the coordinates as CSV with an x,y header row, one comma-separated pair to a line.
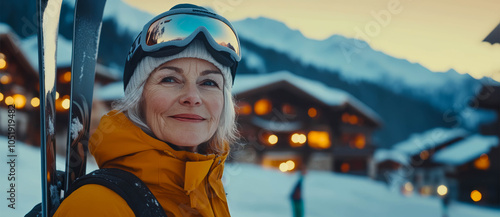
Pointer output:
x,y
1,97
482,163
66,77
272,139
442,190
297,139
288,109
244,108
262,107
426,190
35,102
312,112
360,141
65,104
3,64
424,155
5,79
9,100
476,196
319,139
19,101
345,167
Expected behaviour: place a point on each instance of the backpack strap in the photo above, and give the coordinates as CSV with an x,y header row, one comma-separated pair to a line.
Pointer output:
x,y
137,195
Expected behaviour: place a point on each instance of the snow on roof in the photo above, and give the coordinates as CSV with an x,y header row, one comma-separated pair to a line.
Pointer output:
x,y
64,47
277,126
428,140
382,155
328,95
4,28
110,92
466,150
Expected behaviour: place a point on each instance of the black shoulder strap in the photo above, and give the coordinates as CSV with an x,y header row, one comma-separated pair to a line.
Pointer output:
x,y
138,196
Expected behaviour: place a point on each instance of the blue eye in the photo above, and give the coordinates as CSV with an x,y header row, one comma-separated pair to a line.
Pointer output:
x,y
210,83
168,80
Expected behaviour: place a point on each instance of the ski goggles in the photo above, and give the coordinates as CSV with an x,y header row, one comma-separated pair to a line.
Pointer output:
x,y
169,33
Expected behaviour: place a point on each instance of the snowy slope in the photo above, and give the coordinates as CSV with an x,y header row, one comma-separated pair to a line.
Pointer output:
x,y
254,191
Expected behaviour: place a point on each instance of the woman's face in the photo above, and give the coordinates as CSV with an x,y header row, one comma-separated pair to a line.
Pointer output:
x,y
183,101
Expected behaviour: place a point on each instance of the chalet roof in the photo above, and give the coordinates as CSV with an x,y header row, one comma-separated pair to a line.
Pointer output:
x,y
110,92
64,47
277,126
328,95
465,150
5,29
494,36
428,140
382,155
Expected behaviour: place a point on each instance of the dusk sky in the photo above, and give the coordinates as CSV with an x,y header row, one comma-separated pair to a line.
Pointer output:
x,y
439,34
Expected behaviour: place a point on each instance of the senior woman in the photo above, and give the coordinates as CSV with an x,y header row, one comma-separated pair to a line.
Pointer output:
x,y
174,125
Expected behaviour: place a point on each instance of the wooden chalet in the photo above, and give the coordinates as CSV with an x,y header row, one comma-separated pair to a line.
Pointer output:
x,y
19,86
418,172
289,121
19,80
473,166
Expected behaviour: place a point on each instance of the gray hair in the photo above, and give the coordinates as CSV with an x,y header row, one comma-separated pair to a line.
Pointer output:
x,y
131,103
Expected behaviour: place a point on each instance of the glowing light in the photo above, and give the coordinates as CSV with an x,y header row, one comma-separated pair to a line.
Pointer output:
x,y
360,141
297,139
66,77
482,163
408,187
319,139
9,100
351,119
5,79
19,101
345,167
283,167
3,64
288,109
426,190
35,102
424,155
1,97
442,190
272,139
244,108
312,112
57,95
65,103
262,107
290,164
476,196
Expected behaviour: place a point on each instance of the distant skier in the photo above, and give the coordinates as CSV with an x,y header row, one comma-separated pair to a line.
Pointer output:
x,y
173,127
296,196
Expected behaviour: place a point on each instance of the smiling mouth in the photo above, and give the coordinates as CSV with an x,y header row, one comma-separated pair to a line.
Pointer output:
x,y
188,118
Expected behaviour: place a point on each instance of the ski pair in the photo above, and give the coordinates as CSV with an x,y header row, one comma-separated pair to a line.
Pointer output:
x,y
86,32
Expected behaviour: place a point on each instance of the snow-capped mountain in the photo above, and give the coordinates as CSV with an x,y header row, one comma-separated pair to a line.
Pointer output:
x,y
409,97
355,60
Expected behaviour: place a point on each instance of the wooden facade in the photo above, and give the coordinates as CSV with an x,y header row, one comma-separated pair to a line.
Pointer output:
x,y
282,120
19,81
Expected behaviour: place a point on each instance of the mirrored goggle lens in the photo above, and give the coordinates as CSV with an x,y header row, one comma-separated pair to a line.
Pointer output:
x,y
179,26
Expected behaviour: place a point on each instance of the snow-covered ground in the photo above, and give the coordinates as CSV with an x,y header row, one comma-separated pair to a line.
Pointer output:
x,y
254,191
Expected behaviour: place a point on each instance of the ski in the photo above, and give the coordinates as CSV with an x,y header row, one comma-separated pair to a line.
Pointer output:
x,y
48,12
86,32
